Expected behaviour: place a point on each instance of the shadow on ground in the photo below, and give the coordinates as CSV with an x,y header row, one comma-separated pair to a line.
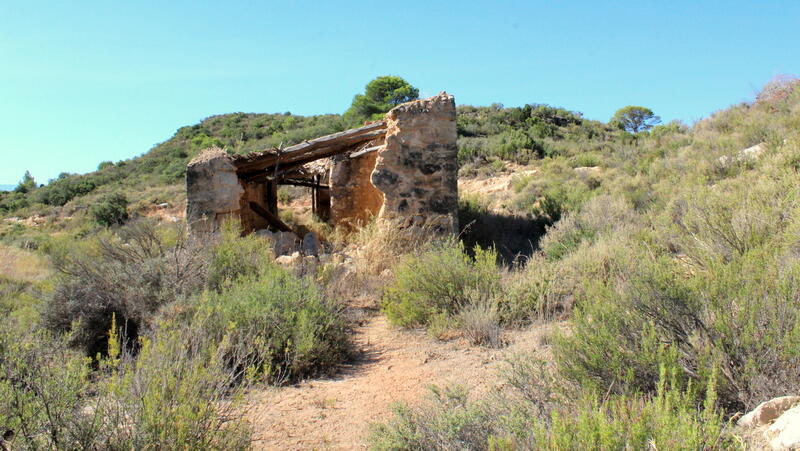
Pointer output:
x,y
514,237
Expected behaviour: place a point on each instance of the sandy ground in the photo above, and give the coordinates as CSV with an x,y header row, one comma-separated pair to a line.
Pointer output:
x,y
393,365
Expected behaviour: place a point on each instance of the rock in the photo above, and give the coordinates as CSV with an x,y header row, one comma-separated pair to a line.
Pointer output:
x,y
310,264
289,260
284,243
310,245
784,434
768,411
753,152
585,171
264,233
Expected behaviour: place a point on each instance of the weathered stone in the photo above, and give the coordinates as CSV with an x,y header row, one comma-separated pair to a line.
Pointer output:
x,y
310,245
264,233
768,411
284,243
212,190
289,260
784,434
416,169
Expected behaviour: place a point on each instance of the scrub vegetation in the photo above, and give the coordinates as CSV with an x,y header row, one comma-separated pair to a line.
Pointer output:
x,y
669,253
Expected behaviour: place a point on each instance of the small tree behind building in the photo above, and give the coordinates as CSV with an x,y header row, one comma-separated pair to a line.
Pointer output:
x,y
635,119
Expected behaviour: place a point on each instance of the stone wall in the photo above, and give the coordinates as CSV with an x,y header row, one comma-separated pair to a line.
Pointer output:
x,y
213,191
417,170
354,199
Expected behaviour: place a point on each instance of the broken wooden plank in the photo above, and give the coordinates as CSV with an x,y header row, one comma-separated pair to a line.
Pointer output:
x,y
303,182
309,150
273,220
366,151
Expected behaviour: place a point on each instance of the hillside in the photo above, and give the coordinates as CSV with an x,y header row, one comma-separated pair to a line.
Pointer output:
x,y
610,290
488,138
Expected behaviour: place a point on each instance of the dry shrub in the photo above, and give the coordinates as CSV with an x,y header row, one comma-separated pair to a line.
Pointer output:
x,y
778,89
131,274
380,242
18,264
480,322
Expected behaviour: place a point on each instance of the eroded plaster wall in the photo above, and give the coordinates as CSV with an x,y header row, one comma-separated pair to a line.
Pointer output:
x,y
354,199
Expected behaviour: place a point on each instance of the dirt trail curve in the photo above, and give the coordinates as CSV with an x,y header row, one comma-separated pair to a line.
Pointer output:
x,y
394,365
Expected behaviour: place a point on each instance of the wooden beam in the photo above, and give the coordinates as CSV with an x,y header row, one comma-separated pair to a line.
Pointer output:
x,y
314,149
366,151
302,182
273,220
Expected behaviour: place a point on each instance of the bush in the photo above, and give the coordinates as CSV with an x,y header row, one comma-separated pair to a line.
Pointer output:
x,y
234,256
110,210
740,317
131,274
178,393
278,325
440,280
526,418
175,396
447,422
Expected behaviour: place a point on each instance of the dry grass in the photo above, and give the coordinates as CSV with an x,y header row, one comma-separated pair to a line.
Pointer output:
x,y
380,243
18,264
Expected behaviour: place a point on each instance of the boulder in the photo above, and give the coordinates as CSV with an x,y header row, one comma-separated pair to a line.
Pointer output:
x,y
289,261
768,411
784,434
310,245
284,243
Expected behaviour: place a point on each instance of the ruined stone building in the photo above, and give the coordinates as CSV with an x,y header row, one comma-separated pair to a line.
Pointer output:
x,y
402,167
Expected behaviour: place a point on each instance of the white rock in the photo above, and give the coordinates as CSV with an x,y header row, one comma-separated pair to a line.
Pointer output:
x,y
768,411
785,431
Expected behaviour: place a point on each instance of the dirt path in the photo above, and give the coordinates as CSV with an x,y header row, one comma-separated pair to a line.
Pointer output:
x,y
394,365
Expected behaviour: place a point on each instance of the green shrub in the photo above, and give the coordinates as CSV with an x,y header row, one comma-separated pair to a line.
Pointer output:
x,y
739,317
175,395
277,324
43,386
110,210
234,256
601,215
526,418
440,280
447,422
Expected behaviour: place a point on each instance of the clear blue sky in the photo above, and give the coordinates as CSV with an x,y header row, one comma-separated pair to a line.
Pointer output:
x,y
87,81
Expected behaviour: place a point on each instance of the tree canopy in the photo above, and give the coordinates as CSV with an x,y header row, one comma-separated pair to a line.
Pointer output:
x,y
27,184
380,95
635,118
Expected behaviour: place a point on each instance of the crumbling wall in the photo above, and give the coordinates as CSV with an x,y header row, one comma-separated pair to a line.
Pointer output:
x,y
411,177
354,199
213,191
417,170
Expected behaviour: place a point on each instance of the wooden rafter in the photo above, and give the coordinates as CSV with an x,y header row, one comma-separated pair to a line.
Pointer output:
x,y
254,164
